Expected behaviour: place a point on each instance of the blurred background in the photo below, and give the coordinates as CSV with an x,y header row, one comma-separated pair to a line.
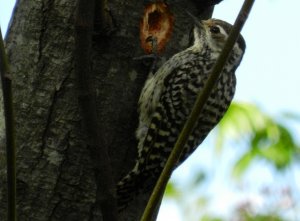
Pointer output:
x,y
249,166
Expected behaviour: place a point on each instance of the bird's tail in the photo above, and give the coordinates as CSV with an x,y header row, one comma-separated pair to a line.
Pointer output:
x,y
133,184
127,189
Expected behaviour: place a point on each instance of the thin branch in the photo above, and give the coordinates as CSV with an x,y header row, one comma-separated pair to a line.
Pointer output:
x,y
201,99
10,133
84,25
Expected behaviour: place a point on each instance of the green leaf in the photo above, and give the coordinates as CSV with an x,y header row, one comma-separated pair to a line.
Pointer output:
x,y
172,191
266,137
210,218
242,164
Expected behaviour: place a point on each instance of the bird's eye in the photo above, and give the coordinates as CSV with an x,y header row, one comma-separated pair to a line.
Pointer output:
x,y
215,30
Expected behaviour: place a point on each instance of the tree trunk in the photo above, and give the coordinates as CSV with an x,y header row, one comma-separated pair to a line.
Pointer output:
x,y
55,176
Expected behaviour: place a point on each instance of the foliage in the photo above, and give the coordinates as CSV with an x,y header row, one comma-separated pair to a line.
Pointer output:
x,y
267,138
264,138
246,217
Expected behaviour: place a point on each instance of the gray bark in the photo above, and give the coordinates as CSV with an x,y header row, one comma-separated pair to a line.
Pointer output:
x,y
55,176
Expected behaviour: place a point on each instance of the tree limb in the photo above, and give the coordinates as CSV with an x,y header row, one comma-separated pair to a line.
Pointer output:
x,y
201,99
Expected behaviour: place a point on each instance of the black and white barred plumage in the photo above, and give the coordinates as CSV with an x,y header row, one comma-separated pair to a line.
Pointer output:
x,y
168,97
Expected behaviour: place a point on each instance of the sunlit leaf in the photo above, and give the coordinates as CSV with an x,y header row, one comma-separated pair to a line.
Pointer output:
x,y
266,137
172,191
242,164
241,120
248,217
209,218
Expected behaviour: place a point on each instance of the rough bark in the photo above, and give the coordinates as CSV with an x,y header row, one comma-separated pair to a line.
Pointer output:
x,y
55,176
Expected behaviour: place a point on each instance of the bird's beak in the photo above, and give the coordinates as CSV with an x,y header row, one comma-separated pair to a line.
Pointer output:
x,y
198,23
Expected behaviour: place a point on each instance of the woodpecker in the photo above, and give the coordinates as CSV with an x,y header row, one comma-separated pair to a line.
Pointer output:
x,y
166,101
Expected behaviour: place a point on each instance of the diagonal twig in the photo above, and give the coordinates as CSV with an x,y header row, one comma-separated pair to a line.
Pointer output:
x,y
201,99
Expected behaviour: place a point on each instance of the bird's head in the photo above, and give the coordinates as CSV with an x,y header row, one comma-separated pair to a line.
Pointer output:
x,y
212,34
